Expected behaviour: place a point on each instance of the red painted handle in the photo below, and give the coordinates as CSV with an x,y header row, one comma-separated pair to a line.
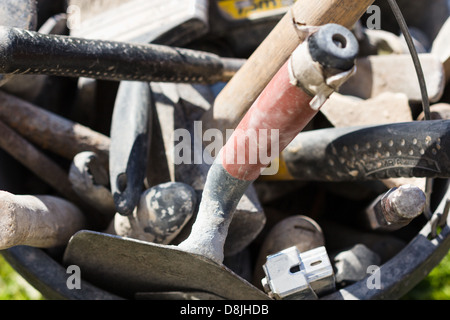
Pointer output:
x,y
273,121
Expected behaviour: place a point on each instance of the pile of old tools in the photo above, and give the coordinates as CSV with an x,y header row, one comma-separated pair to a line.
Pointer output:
x,y
195,149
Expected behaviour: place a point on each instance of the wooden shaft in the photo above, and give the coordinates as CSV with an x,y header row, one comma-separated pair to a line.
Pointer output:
x,y
50,131
243,89
37,162
38,221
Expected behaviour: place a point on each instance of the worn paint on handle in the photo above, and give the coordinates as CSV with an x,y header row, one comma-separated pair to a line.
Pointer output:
x,y
280,113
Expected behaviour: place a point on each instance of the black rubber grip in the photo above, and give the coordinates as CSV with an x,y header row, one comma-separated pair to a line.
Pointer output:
x,y
409,149
27,52
334,46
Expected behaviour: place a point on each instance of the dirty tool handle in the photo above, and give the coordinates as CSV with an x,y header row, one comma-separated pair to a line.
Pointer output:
x,y
27,52
408,149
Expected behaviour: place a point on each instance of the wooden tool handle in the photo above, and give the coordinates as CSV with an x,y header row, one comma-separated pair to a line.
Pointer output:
x,y
38,221
243,89
50,131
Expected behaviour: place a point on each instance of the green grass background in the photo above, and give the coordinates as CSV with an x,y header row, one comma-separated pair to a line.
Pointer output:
x,y
13,286
436,286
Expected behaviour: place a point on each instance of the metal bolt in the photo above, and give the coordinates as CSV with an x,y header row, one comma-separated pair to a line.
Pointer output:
x,y
396,208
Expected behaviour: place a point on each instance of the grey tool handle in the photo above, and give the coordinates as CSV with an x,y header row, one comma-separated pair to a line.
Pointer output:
x,y
130,136
410,149
27,52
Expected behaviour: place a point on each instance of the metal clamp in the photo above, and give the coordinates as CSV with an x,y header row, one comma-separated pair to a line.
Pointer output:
x,y
325,61
292,275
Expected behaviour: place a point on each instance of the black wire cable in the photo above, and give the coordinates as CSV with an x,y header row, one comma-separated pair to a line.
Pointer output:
x,y
409,41
422,83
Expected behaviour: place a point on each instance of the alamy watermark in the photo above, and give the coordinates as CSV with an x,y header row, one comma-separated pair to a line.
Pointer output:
x,y
249,147
373,282
374,19
74,280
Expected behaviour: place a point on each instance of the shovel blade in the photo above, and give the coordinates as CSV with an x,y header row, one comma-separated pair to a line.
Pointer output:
x,y
127,266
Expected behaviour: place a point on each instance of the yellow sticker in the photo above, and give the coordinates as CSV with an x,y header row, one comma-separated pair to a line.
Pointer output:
x,y
245,9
